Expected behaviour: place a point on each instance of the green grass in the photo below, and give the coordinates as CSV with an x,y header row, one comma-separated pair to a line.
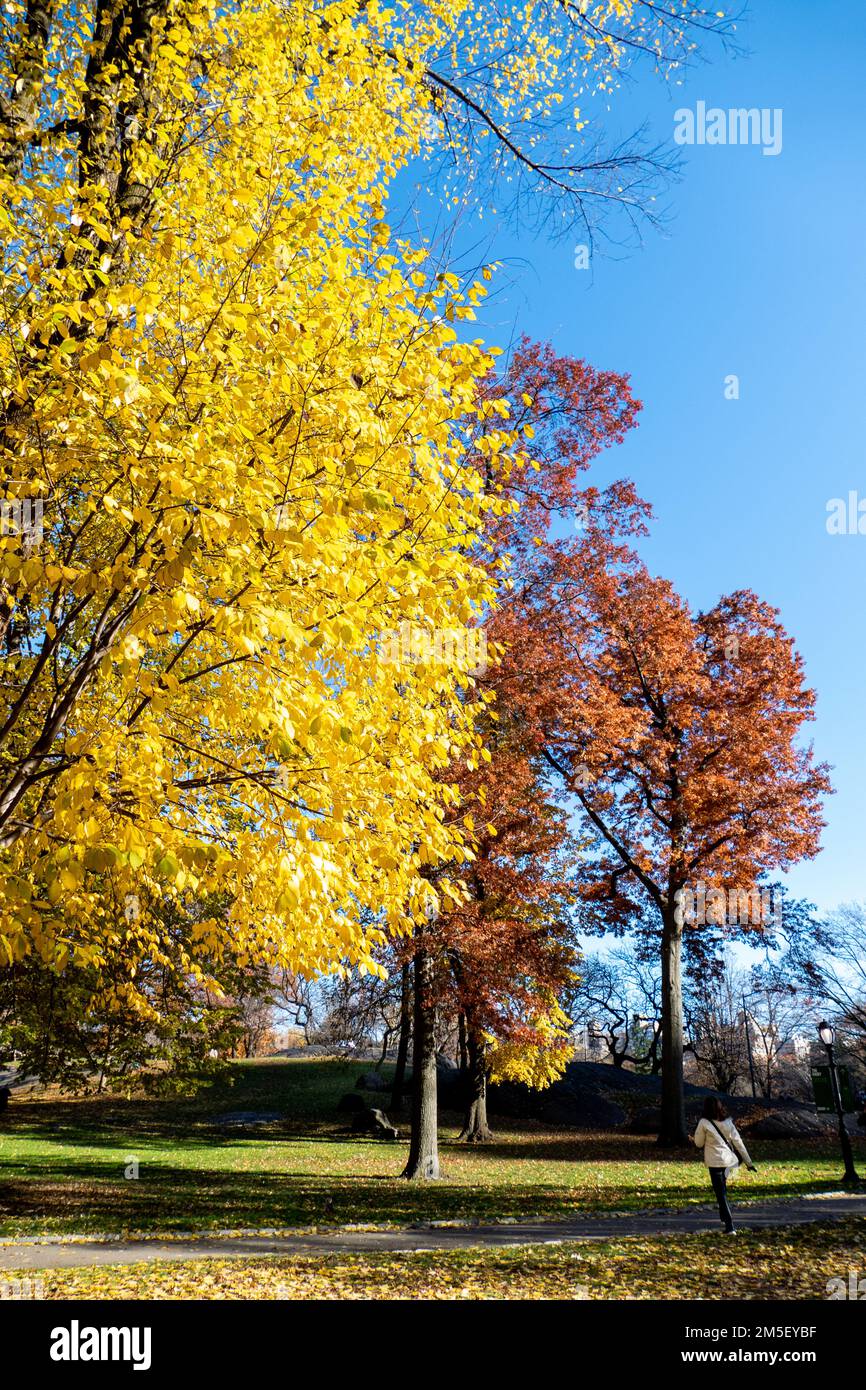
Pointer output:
x,y
761,1265
62,1164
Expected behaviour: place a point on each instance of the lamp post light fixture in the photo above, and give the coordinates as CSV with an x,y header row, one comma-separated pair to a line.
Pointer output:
x,y
827,1034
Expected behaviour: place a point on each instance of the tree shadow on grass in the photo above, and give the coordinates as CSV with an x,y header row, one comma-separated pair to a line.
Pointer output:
x,y
563,1146
76,1198
82,1197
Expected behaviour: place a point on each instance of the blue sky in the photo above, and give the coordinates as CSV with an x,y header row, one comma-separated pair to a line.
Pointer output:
x,y
759,272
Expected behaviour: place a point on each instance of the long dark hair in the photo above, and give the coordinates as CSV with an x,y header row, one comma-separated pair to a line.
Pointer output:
x,y
713,1109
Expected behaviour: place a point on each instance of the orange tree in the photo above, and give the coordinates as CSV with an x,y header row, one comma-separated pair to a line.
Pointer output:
x,y
678,736
500,950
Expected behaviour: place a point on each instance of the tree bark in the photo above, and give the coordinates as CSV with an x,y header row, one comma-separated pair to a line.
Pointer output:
x,y
475,1127
19,109
387,1035
462,1048
673,1125
423,1161
397,1097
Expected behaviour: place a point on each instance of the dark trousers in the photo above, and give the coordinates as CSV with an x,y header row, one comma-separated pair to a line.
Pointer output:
x,y
720,1187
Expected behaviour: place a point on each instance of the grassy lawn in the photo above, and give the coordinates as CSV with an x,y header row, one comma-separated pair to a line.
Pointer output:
x,y
62,1164
781,1264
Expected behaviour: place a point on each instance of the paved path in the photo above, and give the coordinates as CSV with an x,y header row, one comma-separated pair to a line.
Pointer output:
x,y
59,1254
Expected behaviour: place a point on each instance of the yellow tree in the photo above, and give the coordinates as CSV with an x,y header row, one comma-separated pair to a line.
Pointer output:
x,y
233,400
235,420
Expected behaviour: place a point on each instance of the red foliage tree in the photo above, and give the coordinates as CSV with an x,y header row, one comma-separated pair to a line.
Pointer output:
x,y
677,733
507,945
567,412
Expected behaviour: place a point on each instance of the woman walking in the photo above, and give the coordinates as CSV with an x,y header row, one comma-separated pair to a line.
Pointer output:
x,y
723,1150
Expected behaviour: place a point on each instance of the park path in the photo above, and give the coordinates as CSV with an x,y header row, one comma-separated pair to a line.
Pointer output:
x,y
44,1253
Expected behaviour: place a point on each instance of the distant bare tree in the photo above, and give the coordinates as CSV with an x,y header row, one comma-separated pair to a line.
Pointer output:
x,y
723,1002
643,978
777,1014
616,997
715,1027
360,1011
832,965
295,999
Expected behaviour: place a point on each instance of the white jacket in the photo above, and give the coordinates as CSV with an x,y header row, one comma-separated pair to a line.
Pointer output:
x,y
719,1154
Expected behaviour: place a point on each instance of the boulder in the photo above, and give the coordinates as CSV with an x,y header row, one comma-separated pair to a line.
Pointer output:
x,y
374,1122
647,1120
788,1124
581,1110
351,1104
445,1066
595,1095
450,1084
595,1076
514,1100
372,1081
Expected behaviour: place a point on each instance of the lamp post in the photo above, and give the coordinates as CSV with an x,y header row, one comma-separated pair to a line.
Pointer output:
x,y
827,1034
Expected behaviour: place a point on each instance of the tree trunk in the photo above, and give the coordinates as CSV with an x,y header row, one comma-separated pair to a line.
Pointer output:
x,y
462,1046
475,1127
105,1059
424,1144
387,1035
397,1097
21,105
673,1126
655,1055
